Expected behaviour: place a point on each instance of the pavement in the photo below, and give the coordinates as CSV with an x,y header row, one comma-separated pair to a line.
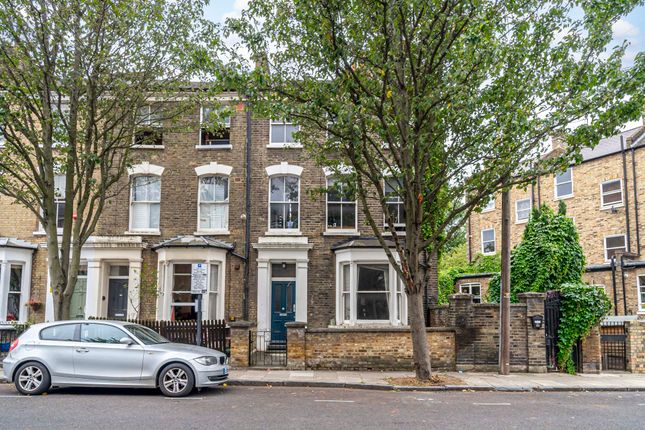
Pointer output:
x,y
472,381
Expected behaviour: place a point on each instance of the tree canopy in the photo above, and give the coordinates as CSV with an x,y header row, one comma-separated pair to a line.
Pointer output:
x,y
450,100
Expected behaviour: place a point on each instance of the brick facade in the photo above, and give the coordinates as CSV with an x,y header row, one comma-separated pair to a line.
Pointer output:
x,y
593,222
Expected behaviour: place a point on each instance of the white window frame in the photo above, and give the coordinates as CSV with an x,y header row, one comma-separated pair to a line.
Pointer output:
x,y
132,203
399,226
147,123
226,203
284,229
477,298
624,248
523,221
329,229
556,183
284,143
603,205
641,290
488,241
490,206
226,123
395,293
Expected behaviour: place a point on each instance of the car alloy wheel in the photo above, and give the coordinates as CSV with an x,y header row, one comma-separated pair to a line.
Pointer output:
x,y
32,378
176,380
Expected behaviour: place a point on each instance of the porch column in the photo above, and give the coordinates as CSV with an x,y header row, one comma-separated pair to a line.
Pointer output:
x,y
134,293
4,288
264,296
93,294
301,290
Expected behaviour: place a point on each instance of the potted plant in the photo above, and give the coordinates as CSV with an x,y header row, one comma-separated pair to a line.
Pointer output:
x,y
35,305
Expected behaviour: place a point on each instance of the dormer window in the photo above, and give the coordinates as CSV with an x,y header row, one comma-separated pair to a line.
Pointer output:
x,y
214,132
148,125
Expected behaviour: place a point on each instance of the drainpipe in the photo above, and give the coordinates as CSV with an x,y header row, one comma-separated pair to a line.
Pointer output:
x,y
638,235
539,192
613,283
470,238
622,150
247,213
622,280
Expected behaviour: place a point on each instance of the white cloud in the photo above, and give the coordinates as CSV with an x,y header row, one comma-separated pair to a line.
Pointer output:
x,y
238,7
624,29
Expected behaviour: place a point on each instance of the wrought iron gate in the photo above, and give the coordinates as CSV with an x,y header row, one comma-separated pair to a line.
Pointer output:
x,y
613,345
265,352
551,324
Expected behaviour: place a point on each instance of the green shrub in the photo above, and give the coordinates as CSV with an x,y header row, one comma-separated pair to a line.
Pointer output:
x,y
582,307
548,256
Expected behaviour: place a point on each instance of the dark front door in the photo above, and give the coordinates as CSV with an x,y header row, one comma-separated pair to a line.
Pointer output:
x,y
118,298
283,308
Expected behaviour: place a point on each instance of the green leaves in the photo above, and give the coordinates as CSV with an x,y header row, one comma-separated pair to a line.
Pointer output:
x,y
548,256
582,307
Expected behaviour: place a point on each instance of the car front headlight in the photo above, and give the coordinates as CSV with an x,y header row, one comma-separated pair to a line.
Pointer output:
x,y
207,360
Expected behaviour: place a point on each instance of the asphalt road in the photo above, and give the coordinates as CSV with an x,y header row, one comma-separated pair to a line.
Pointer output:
x,y
317,408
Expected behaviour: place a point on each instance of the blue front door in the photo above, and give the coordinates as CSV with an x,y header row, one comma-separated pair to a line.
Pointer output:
x,y
283,308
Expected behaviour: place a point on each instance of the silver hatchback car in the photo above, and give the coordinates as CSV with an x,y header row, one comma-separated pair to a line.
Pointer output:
x,y
109,354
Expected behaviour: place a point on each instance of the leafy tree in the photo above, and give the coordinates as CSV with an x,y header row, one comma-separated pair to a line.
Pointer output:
x,y
73,76
447,99
548,256
455,264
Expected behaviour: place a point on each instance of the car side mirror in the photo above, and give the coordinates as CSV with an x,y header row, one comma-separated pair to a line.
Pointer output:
x,y
126,341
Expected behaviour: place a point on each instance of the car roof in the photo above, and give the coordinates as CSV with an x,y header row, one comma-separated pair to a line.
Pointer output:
x,y
53,323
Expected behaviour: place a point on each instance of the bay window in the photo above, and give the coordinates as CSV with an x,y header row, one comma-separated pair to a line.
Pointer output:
x,y
14,293
370,293
213,203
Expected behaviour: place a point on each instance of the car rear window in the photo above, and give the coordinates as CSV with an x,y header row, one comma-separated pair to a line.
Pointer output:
x,y
64,332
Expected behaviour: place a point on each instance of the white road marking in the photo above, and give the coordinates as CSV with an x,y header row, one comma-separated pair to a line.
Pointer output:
x,y
492,404
184,398
335,401
641,404
15,397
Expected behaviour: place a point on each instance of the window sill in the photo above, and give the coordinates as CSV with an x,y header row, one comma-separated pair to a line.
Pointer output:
x,y
283,232
341,233
485,211
212,233
284,146
567,197
213,147
524,221
142,233
398,233
489,253
148,147
43,233
612,207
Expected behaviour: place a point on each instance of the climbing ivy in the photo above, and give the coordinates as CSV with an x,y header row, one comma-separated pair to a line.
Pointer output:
x,y
582,307
548,256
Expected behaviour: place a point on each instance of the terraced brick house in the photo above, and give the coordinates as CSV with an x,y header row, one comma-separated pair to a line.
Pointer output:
x,y
605,197
236,202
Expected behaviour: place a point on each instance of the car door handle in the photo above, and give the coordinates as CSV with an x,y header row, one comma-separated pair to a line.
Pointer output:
x,y
82,350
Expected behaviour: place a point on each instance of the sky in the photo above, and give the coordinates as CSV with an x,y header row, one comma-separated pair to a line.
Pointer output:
x,y
630,28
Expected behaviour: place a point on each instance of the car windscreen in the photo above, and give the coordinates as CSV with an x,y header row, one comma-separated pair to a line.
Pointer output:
x,y
146,335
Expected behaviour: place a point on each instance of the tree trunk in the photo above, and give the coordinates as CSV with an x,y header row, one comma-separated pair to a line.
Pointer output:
x,y
505,288
420,348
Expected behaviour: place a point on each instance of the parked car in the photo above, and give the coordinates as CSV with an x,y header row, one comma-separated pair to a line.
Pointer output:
x,y
109,354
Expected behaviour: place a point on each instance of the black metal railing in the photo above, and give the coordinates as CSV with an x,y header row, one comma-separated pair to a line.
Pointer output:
x,y
613,345
551,325
7,335
215,333
265,352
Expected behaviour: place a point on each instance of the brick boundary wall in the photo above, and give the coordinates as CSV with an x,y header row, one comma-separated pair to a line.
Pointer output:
x,y
635,344
373,348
